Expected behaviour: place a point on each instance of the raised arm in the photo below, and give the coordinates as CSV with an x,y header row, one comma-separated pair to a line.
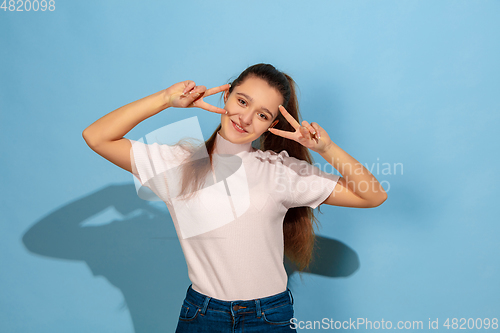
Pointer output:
x,y
357,187
105,136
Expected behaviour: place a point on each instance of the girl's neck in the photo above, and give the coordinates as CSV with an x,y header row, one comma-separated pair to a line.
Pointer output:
x,y
223,146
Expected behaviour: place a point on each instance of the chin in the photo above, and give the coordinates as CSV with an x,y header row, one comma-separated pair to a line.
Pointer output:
x,y
239,138
229,132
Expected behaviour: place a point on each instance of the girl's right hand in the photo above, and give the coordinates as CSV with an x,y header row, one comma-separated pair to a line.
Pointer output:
x,y
187,94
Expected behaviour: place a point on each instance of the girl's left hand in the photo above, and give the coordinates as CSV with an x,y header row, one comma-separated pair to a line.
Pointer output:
x,y
311,135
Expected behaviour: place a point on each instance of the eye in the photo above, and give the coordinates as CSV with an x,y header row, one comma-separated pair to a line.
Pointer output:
x,y
263,116
242,101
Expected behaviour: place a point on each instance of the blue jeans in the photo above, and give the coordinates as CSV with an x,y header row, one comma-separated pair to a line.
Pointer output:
x,y
201,313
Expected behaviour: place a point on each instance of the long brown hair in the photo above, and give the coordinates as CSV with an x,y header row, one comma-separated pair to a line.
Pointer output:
x,y
298,231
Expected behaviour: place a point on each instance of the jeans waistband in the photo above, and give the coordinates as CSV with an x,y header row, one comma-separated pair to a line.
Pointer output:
x,y
255,305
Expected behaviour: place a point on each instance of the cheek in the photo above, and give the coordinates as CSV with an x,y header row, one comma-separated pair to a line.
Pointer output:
x,y
263,127
229,106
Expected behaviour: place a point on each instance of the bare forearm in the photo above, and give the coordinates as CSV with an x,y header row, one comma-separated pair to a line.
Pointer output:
x,y
119,122
358,178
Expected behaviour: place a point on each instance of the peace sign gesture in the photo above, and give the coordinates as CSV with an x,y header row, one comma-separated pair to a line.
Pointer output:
x,y
311,135
187,94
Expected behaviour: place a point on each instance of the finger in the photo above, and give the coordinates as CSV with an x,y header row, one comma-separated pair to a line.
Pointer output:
x,y
317,128
190,97
198,90
188,85
195,91
309,127
305,132
205,106
289,117
285,134
218,89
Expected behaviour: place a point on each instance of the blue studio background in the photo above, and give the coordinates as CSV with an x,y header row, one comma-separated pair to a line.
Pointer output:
x,y
408,88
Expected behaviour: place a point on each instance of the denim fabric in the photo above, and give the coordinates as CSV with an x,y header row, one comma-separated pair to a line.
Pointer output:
x,y
201,313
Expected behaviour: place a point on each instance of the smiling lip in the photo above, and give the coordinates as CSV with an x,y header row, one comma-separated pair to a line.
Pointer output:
x,y
236,127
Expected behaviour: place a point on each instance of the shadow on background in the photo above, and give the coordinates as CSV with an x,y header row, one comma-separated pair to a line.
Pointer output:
x,y
141,255
331,258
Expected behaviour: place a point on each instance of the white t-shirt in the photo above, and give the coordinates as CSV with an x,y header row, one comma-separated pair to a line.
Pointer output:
x,y
231,232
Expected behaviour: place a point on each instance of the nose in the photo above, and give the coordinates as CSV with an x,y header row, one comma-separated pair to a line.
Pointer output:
x,y
246,117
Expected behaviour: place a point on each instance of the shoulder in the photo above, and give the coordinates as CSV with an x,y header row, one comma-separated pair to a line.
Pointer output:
x,y
282,159
160,149
269,155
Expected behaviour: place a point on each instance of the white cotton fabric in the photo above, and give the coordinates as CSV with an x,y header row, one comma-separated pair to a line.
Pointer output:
x,y
231,233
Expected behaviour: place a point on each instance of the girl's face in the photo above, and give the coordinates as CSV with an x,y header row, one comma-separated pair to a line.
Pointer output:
x,y
251,108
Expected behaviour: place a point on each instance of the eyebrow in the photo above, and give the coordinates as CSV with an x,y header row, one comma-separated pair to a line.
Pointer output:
x,y
250,98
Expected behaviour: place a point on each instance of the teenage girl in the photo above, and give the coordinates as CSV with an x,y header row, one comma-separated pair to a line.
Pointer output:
x,y
239,210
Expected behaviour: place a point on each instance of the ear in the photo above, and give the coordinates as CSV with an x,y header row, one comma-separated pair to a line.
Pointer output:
x,y
226,96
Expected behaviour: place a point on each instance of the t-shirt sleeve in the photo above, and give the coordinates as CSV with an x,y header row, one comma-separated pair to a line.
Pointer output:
x,y
151,164
307,185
